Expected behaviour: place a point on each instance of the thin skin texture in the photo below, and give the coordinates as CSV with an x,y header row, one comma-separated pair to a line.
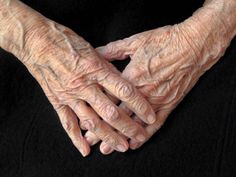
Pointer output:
x,y
167,62
74,78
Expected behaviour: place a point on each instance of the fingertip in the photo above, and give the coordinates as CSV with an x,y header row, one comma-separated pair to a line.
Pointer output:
x,y
121,148
89,140
84,147
151,118
85,151
140,138
134,145
105,149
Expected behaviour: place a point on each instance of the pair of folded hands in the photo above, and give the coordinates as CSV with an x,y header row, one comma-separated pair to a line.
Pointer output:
x,y
121,109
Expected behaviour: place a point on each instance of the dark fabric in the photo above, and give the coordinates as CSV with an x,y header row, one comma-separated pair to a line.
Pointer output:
x,y
198,140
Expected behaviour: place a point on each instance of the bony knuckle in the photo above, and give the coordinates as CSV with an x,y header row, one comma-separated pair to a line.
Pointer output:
x,y
129,130
90,124
110,112
92,64
110,48
125,91
67,125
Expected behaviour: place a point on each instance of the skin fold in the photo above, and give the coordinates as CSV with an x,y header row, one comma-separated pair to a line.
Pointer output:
x,y
167,62
73,77
82,85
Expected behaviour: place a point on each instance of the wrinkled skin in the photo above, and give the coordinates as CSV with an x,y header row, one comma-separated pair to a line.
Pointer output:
x,y
71,75
165,64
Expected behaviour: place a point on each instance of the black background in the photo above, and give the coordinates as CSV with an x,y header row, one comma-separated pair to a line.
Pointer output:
x,y
198,139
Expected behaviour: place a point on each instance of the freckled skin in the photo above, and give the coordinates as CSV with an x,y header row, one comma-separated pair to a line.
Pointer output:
x,y
167,62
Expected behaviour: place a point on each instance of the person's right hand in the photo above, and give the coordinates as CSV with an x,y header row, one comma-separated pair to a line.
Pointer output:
x,y
72,76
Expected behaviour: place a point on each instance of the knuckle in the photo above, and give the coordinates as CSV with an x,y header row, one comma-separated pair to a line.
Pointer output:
x,y
92,64
103,75
110,112
125,91
57,106
130,131
90,124
110,48
67,125
76,83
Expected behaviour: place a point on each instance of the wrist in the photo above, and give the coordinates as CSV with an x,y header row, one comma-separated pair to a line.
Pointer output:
x,y
212,2
213,25
210,30
18,23
224,10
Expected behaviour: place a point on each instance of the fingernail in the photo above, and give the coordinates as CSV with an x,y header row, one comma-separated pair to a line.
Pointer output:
x,y
140,138
134,145
89,140
106,149
121,148
151,118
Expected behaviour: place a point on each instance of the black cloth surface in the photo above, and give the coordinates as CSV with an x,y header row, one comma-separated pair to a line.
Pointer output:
x,y
198,139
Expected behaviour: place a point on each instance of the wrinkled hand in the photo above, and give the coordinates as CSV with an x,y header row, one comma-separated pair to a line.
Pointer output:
x,y
165,64
72,75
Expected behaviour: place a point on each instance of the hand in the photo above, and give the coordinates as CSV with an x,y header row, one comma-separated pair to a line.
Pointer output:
x,y
71,75
165,64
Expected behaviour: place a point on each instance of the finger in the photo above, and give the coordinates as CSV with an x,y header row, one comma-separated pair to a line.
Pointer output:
x,y
106,149
82,127
152,129
119,50
70,124
161,118
108,93
114,116
114,51
93,123
125,109
111,97
127,93
91,138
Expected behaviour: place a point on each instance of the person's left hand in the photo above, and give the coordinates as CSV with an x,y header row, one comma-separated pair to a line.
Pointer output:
x,y
165,64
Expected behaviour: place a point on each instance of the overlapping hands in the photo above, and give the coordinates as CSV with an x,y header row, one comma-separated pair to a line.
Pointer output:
x,y
82,84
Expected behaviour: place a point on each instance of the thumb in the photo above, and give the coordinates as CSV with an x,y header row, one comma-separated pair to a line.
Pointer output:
x,y
117,50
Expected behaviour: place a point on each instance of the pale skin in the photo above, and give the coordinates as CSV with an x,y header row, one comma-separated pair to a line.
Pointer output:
x,y
82,85
167,62
73,78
